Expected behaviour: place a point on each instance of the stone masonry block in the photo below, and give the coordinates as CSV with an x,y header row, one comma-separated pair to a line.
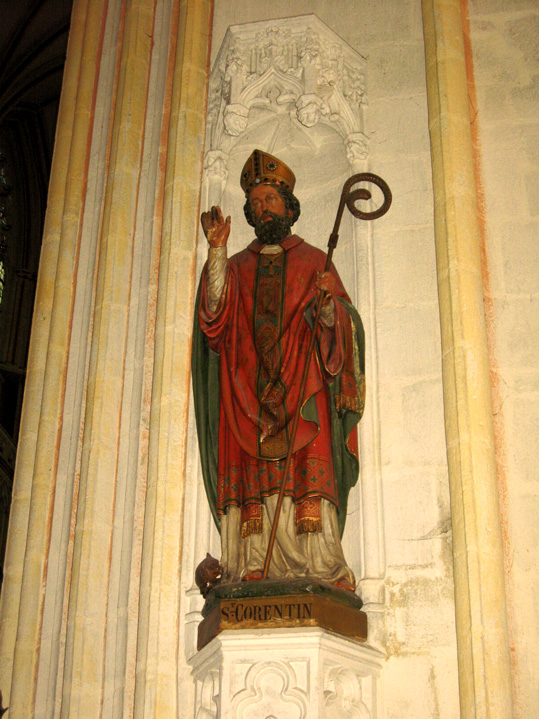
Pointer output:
x,y
517,322
401,672
417,519
444,679
532,191
523,37
392,421
506,54
525,99
424,432
494,107
522,415
507,108
405,266
519,258
396,70
492,7
402,22
400,125
410,180
504,186
531,146
493,57
409,341
524,530
525,629
422,613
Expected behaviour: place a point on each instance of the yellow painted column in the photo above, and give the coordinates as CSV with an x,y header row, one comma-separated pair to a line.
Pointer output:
x,y
157,662
84,672
481,621
33,490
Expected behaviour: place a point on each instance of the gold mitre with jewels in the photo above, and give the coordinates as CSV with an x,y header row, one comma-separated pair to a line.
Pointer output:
x,y
263,168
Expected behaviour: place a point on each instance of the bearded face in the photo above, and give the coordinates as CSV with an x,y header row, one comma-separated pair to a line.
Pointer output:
x,y
271,218
272,228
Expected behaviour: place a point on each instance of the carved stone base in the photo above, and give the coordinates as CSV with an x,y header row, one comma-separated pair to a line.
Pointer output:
x,y
275,604
301,673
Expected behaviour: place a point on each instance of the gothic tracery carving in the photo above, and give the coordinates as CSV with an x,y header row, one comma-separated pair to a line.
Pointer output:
x,y
296,65
343,695
271,684
208,700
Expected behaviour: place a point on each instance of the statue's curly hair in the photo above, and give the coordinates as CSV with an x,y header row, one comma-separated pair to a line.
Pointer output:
x,y
291,202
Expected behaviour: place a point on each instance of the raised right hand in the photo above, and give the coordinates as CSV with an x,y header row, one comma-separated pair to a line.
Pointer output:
x,y
215,227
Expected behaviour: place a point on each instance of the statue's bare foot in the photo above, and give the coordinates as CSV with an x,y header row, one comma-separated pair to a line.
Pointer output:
x,y
252,576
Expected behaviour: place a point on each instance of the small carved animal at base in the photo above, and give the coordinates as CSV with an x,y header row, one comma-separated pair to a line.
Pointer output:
x,y
208,574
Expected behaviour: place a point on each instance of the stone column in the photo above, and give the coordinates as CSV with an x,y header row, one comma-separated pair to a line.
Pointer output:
x,y
483,650
110,381
35,474
372,546
157,664
90,603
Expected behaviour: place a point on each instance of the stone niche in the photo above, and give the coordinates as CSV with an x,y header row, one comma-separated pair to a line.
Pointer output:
x,y
294,88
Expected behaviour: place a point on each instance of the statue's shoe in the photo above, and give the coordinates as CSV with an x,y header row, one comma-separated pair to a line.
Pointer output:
x,y
345,584
252,576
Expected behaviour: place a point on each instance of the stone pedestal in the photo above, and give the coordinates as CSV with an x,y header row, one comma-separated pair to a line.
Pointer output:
x,y
298,673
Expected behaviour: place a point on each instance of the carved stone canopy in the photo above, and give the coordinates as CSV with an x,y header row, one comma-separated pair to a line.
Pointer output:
x,y
296,66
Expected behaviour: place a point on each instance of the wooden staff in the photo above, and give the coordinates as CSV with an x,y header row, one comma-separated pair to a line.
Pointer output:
x,y
349,199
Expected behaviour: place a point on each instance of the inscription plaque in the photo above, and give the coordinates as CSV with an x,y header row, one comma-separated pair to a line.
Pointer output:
x,y
312,604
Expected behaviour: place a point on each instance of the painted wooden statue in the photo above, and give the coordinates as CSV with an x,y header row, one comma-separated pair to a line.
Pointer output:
x,y
254,318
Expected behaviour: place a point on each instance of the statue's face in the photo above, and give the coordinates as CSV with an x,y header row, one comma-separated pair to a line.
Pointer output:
x,y
265,199
272,220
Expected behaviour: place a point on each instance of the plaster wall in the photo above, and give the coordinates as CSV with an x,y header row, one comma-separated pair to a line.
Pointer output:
x,y
410,602
505,44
